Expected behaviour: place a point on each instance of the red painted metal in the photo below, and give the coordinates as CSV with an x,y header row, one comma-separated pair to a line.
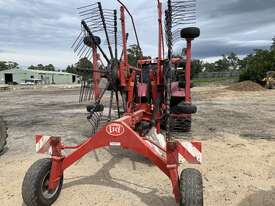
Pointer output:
x,y
131,86
96,75
124,65
121,132
188,72
160,43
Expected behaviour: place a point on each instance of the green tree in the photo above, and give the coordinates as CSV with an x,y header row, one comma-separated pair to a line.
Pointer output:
x,y
209,67
273,44
257,65
48,67
83,67
84,63
4,65
222,64
72,69
134,54
32,67
233,61
196,67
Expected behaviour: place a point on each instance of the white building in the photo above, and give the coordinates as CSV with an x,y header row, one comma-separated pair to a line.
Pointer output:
x,y
27,76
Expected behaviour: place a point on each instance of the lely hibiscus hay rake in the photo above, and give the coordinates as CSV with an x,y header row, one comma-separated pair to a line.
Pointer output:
x,y
151,97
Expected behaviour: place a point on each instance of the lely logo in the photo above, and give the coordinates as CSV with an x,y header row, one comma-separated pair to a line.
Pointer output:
x,y
115,129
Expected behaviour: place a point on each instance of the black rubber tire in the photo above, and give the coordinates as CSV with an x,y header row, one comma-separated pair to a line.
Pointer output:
x,y
3,134
191,188
190,33
33,184
187,125
184,109
184,125
88,41
95,108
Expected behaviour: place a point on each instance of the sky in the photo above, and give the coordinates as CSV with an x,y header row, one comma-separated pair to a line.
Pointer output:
x,y
33,32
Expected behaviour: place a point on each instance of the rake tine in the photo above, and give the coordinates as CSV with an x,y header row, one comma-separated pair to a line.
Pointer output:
x,y
88,52
78,45
115,32
85,50
105,29
80,50
86,14
82,7
76,39
110,106
84,90
95,31
117,104
95,18
80,93
90,91
88,11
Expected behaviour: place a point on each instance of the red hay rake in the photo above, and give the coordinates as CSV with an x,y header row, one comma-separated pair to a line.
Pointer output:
x,y
155,96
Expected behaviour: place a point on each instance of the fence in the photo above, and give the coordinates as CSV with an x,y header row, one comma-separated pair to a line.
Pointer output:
x,y
206,75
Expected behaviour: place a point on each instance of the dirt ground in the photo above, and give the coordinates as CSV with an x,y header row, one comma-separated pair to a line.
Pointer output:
x,y
237,130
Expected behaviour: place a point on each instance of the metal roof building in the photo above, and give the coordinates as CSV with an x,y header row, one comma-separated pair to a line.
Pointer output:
x,y
27,76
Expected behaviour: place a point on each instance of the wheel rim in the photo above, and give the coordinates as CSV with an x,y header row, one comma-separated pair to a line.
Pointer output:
x,y
48,194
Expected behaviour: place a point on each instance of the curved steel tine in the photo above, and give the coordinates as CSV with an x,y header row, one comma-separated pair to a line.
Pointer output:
x,y
82,7
83,46
105,29
88,51
78,45
88,11
110,106
117,104
76,39
83,51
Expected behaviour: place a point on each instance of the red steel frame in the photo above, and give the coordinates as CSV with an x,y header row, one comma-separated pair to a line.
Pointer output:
x,y
121,132
127,139
188,71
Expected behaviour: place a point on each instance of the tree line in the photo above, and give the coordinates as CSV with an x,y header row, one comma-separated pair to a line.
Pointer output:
x,y
4,65
252,67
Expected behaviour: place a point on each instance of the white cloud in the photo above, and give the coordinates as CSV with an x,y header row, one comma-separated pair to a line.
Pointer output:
x,y
35,32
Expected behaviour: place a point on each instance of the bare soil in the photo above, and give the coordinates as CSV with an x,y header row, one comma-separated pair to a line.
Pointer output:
x,y
237,129
246,86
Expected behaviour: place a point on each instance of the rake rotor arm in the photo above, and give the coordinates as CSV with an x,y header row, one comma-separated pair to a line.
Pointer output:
x,y
85,26
105,29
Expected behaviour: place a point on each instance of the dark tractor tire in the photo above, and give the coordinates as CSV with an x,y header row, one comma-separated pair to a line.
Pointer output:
x,y
183,108
181,125
34,187
191,188
177,125
89,41
190,33
95,108
187,125
3,134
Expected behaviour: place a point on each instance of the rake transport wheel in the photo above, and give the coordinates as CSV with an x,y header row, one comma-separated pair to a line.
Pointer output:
x,y
191,188
35,190
3,134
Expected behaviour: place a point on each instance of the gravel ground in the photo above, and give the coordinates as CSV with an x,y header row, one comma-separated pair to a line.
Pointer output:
x,y
237,130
